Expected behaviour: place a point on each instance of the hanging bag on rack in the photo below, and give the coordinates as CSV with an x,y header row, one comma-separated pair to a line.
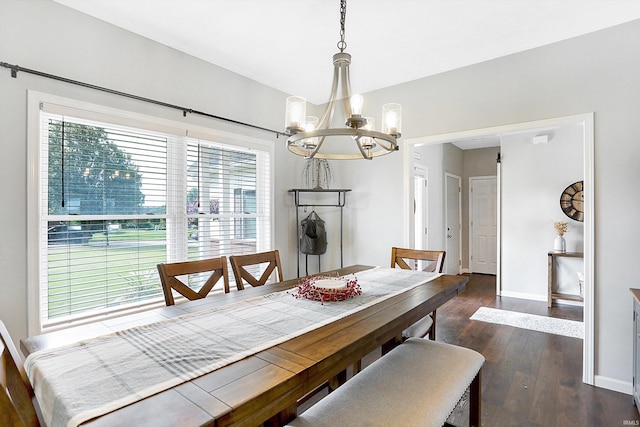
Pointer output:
x,y
313,237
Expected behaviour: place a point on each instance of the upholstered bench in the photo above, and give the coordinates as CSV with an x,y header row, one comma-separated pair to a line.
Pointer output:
x,y
418,383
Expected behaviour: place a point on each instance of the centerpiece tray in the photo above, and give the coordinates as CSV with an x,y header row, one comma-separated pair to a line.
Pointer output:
x,y
325,288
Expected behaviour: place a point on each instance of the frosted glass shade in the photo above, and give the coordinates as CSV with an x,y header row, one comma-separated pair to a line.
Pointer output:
x,y
357,101
296,111
311,123
392,119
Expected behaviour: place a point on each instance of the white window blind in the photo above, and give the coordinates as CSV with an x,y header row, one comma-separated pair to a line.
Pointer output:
x,y
117,200
228,205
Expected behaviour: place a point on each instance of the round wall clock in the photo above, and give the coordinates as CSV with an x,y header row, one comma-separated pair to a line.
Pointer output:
x,y
572,201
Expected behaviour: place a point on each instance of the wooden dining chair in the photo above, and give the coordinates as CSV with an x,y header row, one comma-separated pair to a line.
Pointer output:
x,y
426,260
247,267
409,259
18,406
170,272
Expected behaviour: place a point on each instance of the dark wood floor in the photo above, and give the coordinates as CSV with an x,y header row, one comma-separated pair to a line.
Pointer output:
x,y
529,378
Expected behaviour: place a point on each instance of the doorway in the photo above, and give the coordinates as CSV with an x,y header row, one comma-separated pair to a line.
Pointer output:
x,y
586,123
420,207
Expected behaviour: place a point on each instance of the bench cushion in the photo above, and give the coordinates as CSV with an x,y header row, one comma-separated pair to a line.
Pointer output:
x,y
418,383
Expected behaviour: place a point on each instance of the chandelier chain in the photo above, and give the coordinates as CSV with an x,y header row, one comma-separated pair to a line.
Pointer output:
x,y
342,45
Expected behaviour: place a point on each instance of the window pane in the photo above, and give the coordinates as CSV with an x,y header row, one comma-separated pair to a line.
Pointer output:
x,y
99,171
221,196
118,201
96,265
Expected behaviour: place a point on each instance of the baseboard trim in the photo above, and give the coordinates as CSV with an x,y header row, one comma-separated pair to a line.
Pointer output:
x,y
568,302
612,384
535,297
522,295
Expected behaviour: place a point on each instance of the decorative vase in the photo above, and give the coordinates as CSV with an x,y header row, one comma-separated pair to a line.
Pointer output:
x,y
559,244
581,283
317,174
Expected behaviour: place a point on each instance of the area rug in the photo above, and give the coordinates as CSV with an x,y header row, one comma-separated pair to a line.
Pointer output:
x,y
550,325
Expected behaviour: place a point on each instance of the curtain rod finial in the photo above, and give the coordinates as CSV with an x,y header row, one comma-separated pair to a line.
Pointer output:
x,y
14,68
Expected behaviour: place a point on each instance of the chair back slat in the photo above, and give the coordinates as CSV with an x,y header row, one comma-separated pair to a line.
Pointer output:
x,y
242,275
17,400
399,257
171,272
409,259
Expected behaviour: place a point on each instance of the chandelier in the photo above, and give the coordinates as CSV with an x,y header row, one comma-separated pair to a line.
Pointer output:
x,y
313,138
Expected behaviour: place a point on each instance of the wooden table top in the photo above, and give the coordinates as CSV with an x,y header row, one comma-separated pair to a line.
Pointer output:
x,y
252,390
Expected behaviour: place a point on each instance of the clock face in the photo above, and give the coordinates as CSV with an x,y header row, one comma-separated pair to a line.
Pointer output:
x,y
572,201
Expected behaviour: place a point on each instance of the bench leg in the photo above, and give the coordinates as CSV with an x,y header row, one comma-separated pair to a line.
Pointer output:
x,y
283,418
391,344
475,401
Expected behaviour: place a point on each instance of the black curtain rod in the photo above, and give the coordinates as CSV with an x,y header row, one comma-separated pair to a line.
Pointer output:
x,y
14,73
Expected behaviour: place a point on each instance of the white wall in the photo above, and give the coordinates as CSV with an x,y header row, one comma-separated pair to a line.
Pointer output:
x,y
432,156
374,213
597,72
533,177
453,160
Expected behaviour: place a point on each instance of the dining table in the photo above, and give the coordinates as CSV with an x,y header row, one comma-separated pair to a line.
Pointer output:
x,y
260,383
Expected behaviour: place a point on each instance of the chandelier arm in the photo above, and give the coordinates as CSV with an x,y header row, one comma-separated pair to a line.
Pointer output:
x,y
317,149
346,91
354,133
364,154
328,113
389,146
343,132
347,80
332,109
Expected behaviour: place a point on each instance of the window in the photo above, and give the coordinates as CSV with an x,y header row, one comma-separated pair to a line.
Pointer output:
x,y
115,200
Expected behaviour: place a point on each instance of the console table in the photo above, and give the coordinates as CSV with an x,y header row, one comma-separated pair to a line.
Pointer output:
x,y
550,272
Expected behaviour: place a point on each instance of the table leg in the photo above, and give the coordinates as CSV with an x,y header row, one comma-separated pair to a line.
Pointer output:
x,y
549,279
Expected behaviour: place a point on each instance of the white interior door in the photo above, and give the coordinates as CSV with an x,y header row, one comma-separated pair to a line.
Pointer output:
x,y
453,217
420,207
483,226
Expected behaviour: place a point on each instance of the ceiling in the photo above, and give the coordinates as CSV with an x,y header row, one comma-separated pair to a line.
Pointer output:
x,y
289,44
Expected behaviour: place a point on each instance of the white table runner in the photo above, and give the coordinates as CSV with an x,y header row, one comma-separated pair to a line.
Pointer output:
x,y
90,378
